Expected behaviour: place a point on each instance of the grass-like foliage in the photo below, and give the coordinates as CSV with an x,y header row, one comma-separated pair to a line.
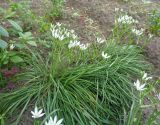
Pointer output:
x,y
81,85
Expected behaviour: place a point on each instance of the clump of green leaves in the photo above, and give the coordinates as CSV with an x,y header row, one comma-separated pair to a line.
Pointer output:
x,y
154,22
57,8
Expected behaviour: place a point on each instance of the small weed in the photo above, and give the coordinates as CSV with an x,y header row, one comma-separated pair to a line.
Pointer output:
x,y
154,22
57,8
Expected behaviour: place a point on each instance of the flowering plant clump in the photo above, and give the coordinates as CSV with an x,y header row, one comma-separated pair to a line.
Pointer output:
x,y
76,78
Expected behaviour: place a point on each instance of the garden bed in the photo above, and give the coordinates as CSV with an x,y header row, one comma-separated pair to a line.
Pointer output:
x,y
83,69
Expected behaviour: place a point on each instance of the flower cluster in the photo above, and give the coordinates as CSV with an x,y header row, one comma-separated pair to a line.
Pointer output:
x,y
138,32
38,114
61,33
76,43
126,20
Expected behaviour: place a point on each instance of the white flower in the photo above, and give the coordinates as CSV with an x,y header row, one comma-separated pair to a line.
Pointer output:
x,y
74,36
58,24
72,31
61,37
116,9
36,113
138,86
11,47
126,20
105,55
138,32
145,77
67,34
158,96
54,122
73,44
150,35
100,40
83,46
62,33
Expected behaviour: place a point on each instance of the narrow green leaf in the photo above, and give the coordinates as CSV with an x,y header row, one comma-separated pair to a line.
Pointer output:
x,y
16,59
3,32
32,43
16,25
3,44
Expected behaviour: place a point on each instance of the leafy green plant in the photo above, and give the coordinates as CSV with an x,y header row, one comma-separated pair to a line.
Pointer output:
x,y
9,55
16,26
154,22
27,38
23,14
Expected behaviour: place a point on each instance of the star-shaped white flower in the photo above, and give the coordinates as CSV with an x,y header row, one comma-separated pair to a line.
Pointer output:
x,y
54,122
145,77
105,55
138,86
36,113
11,46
